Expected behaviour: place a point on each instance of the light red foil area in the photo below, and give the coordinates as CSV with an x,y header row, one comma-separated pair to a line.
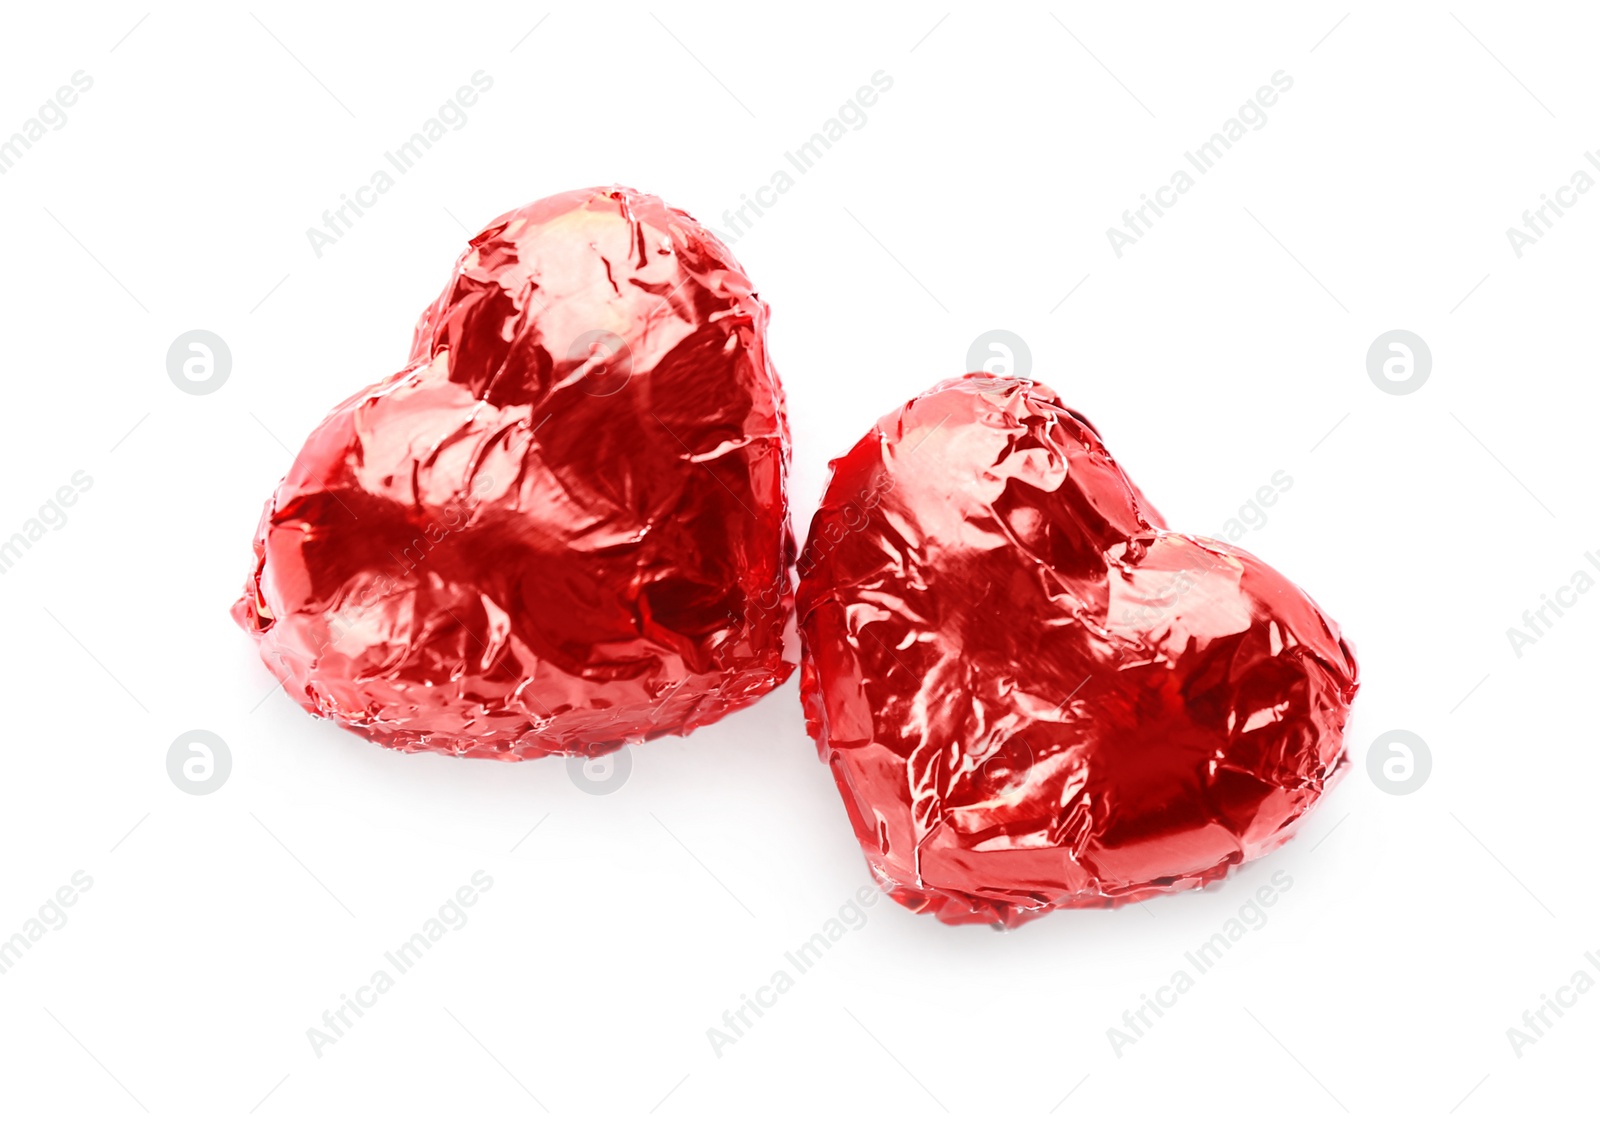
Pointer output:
x,y
562,526
1031,695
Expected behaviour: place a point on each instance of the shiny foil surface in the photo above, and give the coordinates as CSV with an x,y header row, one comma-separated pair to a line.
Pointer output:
x,y
1030,694
562,526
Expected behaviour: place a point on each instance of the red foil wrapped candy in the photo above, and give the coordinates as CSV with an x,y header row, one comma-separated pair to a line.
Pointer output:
x,y
1030,694
563,525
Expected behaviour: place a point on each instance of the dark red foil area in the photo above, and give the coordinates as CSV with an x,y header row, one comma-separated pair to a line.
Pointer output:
x,y
562,526
1030,694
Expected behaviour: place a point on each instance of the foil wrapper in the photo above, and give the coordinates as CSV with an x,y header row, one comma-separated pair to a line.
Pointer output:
x,y
1030,694
562,526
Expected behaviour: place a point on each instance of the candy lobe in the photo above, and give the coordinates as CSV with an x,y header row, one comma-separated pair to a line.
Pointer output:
x,y
1033,696
563,525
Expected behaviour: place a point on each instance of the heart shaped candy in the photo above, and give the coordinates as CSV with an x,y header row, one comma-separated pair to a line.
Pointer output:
x,y
1030,695
562,526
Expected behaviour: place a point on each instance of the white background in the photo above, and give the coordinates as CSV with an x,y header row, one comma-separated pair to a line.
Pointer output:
x,y
1227,344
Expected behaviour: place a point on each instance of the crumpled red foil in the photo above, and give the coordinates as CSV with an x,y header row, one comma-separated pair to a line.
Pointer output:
x,y
562,526
1031,695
